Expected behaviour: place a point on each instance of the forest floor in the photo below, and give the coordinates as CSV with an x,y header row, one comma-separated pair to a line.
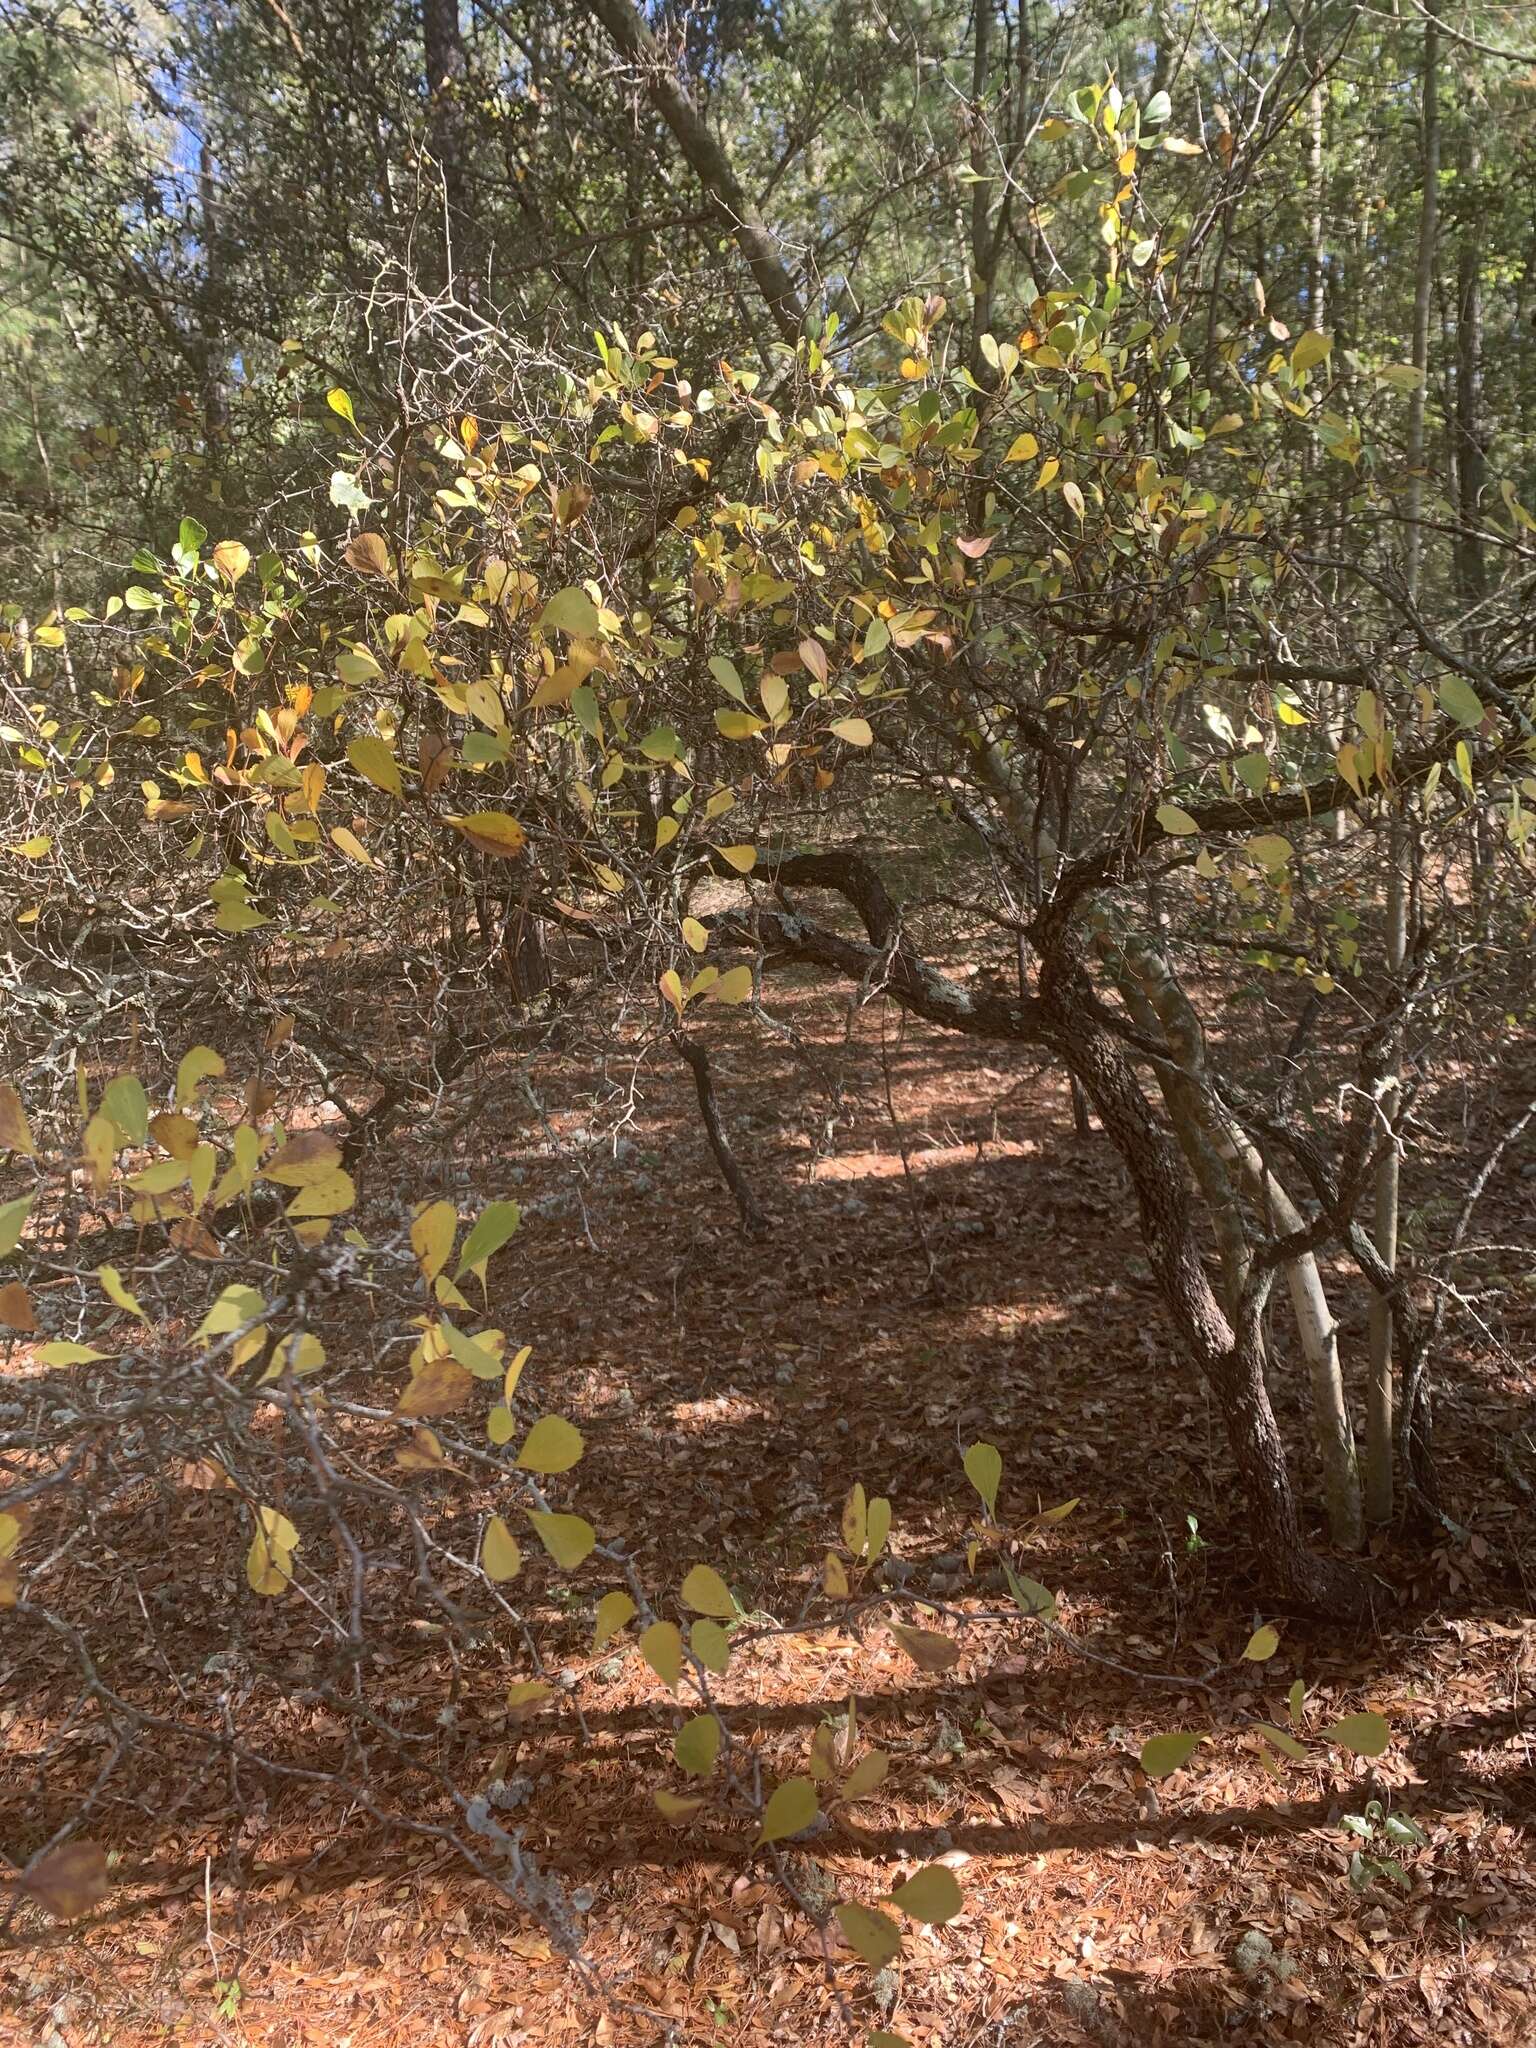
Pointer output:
x,y
965,1267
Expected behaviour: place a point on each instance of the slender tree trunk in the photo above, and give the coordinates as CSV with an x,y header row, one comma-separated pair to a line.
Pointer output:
x,y
1471,455
447,67
982,248
1380,1393
1424,284
1231,1358
1214,1143
1380,1388
210,336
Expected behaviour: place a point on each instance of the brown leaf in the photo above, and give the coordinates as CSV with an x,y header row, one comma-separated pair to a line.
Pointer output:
x,y
69,1880
928,1650
367,553
16,1307
434,758
438,1387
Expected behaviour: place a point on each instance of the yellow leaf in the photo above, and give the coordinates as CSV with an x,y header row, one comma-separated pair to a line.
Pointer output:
x,y
707,1593
160,1178
65,1352
1176,821
13,1219
15,1133
1023,449
697,1745
231,558
930,1894
734,986
552,1445
329,1196
375,761
200,1063
872,1935
1262,1645
854,732
742,858
672,1808
307,1157
671,987
492,832
568,1539
112,1287
662,1648
614,1611
867,1775
500,1555
348,843
432,1233
792,1808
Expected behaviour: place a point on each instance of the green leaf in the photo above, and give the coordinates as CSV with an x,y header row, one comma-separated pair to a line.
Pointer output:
x,y
1176,821
1165,1753
125,1104
552,1445
1364,1734
13,1220
872,1935
984,1469
477,1358
931,1895
192,535
571,611
791,1809
1286,1744
1270,850
1460,701
867,1775
724,673
711,1645
707,1593
496,1223
1031,1598
1262,1645
661,744
697,1745
569,1540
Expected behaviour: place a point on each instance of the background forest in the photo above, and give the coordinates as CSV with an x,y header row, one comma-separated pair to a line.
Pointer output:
x,y
767,1104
